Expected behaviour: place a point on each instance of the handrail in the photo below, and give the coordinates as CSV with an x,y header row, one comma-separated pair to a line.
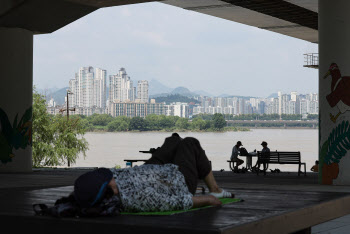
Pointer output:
x,y
311,60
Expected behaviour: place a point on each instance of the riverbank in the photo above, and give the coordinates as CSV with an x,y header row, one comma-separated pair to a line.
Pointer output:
x,y
100,130
225,129
282,128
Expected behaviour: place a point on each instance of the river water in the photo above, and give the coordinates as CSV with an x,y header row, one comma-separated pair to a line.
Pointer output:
x,y
110,149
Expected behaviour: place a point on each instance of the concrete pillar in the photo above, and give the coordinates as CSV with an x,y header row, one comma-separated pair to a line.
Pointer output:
x,y
16,66
334,92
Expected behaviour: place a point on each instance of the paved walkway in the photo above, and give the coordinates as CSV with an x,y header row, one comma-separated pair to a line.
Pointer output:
x,y
48,178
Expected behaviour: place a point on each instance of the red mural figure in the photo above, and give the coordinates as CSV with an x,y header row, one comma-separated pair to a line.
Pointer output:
x,y
340,87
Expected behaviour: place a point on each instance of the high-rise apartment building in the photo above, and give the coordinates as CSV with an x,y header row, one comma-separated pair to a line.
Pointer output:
x,y
142,90
121,87
85,87
100,87
294,96
88,88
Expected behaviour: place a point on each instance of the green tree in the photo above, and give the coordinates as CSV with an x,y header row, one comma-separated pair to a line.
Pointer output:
x,y
173,119
312,116
165,122
182,123
204,116
100,119
55,140
152,122
43,132
68,139
119,124
86,124
138,123
218,121
198,124
208,124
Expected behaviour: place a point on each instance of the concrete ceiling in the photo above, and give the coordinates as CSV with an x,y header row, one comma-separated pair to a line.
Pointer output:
x,y
295,18
47,16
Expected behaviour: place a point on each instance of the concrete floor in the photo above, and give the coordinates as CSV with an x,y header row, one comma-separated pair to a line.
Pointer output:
x,y
48,178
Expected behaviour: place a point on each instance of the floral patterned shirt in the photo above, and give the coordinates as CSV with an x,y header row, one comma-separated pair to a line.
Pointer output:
x,y
152,188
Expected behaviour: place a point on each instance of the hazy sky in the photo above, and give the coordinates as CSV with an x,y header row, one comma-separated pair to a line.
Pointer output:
x,y
178,48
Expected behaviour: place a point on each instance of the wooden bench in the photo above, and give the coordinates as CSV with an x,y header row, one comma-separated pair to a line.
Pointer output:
x,y
282,157
232,165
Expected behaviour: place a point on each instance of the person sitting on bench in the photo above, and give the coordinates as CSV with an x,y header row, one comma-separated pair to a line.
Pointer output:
x,y
265,155
166,182
235,153
314,168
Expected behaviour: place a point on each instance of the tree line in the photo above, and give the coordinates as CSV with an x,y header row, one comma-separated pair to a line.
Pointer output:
x,y
105,122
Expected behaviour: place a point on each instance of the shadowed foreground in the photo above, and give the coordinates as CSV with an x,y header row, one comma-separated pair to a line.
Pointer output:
x,y
276,203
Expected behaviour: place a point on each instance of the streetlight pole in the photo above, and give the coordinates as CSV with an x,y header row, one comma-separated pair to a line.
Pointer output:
x,y
67,105
68,92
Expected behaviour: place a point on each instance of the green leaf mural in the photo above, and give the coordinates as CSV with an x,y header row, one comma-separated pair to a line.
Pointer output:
x,y
338,143
16,136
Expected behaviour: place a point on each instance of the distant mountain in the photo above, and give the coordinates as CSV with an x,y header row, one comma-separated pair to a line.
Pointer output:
x,y
273,95
175,98
183,91
58,96
46,91
203,93
155,87
224,95
159,95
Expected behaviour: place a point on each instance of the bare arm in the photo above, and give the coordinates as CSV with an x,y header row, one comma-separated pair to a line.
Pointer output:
x,y
208,200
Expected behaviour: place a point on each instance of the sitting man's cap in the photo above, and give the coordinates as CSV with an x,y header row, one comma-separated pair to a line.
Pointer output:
x,y
264,143
90,187
239,143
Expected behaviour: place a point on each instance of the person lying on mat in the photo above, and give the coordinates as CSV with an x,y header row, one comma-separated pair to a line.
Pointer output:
x,y
166,182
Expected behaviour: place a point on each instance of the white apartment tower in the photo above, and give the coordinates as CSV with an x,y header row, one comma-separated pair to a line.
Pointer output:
x,y
100,88
279,102
142,90
73,87
85,87
121,87
89,88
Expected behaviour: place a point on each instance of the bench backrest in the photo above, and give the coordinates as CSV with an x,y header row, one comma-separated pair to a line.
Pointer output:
x,y
282,157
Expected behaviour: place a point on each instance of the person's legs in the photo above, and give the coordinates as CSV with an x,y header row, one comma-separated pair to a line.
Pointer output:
x,y
194,164
210,181
265,167
214,189
257,166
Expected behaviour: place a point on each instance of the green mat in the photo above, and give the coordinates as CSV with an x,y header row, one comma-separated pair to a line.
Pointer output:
x,y
223,200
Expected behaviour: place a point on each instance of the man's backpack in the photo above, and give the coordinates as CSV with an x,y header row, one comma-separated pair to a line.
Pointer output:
x,y
243,151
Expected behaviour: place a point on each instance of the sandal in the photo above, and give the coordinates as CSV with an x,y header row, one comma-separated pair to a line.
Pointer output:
x,y
223,194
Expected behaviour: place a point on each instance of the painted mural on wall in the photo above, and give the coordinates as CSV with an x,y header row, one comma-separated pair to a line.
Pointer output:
x,y
17,135
338,143
340,91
